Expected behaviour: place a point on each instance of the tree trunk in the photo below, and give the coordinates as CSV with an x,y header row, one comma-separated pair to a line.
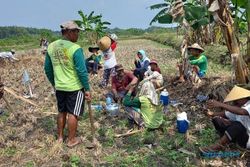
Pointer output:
x,y
226,23
248,35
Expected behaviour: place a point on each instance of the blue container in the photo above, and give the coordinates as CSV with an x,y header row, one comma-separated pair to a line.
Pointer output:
x,y
182,126
164,98
108,101
97,107
112,109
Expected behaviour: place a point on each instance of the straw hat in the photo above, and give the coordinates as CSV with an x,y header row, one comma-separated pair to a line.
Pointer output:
x,y
104,43
237,93
196,46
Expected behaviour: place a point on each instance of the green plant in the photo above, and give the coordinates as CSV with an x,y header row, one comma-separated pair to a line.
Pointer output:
x,y
93,25
75,160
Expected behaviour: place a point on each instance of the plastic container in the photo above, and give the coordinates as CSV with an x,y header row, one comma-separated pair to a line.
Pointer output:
x,y
164,97
108,101
97,107
113,109
182,122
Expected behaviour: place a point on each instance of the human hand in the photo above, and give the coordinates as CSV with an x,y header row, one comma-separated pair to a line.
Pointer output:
x,y
210,113
88,96
213,104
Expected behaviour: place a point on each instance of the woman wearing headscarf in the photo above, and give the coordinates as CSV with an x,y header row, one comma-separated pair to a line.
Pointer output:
x,y
144,110
154,75
141,65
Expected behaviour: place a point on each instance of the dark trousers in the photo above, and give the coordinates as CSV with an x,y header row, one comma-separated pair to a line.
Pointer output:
x,y
106,76
234,130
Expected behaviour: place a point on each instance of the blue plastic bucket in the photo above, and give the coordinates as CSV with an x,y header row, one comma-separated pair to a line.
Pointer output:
x,y
164,100
182,126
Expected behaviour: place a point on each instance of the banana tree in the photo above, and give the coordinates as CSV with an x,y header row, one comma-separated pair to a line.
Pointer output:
x,y
188,14
222,15
93,26
243,7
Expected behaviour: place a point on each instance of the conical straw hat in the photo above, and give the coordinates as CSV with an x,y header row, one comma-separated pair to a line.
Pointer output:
x,y
237,93
104,43
196,46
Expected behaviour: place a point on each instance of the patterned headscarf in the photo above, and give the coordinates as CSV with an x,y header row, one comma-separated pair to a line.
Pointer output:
x,y
149,91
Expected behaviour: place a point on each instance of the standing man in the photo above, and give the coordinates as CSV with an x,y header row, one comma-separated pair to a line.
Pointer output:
x,y
65,68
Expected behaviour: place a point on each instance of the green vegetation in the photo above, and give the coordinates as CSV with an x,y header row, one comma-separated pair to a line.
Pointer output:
x,y
22,38
93,25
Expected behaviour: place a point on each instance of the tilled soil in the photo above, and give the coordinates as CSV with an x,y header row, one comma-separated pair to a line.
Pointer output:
x,y
28,136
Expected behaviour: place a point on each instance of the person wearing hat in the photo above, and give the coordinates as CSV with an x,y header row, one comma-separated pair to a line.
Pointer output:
x,y
154,75
122,82
142,65
65,69
107,45
233,124
198,60
94,61
9,55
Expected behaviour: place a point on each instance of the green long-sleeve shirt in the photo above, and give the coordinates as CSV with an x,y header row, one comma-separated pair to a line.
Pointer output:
x,y
201,62
151,114
80,67
128,101
96,58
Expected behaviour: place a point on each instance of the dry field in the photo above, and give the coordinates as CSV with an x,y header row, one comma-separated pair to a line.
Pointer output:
x,y
28,135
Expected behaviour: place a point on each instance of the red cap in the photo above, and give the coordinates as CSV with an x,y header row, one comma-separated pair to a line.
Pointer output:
x,y
153,62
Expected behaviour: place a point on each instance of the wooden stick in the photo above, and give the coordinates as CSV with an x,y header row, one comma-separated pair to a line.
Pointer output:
x,y
8,104
19,97
91,118
129,133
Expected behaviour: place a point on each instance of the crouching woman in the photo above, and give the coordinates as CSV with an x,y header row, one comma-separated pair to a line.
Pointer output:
x,y
144,110
233,124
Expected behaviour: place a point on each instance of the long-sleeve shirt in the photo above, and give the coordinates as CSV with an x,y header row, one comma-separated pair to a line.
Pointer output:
x,y
96,58
80,67
201,62
142,66
153,75
128,101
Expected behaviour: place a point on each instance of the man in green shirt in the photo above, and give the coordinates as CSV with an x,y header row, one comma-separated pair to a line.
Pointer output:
x,y
198,60
65,68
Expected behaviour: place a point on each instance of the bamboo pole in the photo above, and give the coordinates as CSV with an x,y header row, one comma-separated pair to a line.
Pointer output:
x,y
19,97
129,133
91,118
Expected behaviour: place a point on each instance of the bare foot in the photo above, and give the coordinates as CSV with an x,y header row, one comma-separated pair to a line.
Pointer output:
x,y
74,142
60,140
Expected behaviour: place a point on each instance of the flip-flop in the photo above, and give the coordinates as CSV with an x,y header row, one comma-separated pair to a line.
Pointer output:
x,y
78,141
208,150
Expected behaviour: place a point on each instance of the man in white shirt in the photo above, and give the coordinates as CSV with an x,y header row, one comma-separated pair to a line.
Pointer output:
x,y
233,124
8,55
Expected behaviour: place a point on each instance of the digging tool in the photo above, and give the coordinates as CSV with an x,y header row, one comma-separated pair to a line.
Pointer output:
x,y
19,97
91,118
